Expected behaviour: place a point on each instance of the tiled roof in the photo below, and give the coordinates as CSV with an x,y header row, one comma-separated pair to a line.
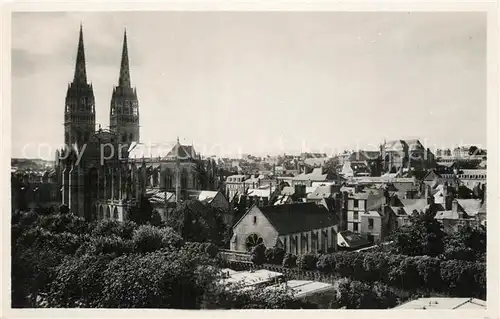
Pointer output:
x,y
260,192
320,192
364,156
412,205
206,196
298,217
447,214
353,240
160,196
185,152
469,206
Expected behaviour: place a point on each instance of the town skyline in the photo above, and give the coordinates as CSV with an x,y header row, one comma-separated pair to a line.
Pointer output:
x,y
226,75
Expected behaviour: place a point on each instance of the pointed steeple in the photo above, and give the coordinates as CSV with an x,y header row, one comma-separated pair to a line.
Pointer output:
x,y
80,69
124,80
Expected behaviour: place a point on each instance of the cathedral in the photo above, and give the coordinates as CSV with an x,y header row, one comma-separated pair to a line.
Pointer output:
x,y
104,173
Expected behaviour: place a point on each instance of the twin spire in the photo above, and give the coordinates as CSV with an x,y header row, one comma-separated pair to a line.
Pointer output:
x,y
80,67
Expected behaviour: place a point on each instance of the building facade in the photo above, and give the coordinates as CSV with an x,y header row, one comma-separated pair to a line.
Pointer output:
x,y
104,173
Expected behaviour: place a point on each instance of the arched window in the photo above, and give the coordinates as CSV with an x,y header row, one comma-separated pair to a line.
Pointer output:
x,y
108,213
131,137
101,213
252,241
115,214
124,137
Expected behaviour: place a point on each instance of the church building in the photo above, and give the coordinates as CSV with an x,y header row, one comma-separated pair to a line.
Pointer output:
x,y
104,173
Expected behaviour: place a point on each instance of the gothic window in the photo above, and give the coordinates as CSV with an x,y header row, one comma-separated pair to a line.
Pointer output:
x,y
82,104
115,214
155,178
305,243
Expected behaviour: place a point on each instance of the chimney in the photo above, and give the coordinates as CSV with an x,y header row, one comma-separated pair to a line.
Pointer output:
x,y
300,191
394,200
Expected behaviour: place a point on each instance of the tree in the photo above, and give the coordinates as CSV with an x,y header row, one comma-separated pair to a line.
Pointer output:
x,y
162,279
202,174
275,255
142,213
109,227
149,238
289,260
473,150
258,255
156,218
79,281
197,221
424,236
326,263
307,261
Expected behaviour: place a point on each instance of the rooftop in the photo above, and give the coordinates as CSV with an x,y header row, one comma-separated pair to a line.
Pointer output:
x,y
444,303
298,217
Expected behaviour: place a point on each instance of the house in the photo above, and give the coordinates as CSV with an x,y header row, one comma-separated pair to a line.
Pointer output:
x,y
297,228
371,226
321,192
463,212
317,175
347,240
215,199
472,177
400,155
363,163
362,203
235,184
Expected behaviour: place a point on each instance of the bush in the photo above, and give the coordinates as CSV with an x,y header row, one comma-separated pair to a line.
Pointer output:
x,y
211,250
149,238
289,260
307,261
275,255
326,263
258,254
109,227
107,245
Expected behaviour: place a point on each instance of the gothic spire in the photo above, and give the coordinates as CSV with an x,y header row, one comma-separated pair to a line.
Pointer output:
x,y
80,69
124,80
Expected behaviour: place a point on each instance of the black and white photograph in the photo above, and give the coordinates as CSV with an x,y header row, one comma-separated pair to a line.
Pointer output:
x,y
226,160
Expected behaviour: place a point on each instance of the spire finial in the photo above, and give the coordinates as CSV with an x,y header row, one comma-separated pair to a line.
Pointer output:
x,y
124,80
80,68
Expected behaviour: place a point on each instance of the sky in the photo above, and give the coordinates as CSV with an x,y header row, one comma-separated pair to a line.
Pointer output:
x,y
259,82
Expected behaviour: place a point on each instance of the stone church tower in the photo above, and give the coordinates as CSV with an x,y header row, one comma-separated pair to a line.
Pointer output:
x,y
124,112
79,113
